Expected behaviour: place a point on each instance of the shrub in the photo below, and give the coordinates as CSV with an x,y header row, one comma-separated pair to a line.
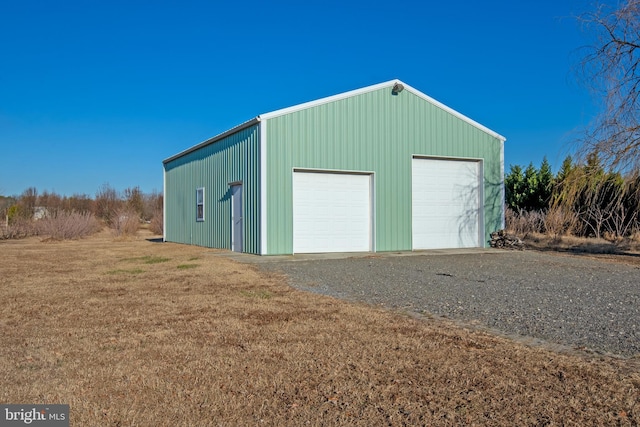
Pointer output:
x,y
559,221
125,222
19,228
68,225
523,222
157,222
106,203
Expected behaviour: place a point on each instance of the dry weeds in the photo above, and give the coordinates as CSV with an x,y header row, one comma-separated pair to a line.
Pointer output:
x,y
621,251
127,335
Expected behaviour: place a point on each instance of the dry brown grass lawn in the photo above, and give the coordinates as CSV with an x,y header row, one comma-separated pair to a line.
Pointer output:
x,y
139,333
624,250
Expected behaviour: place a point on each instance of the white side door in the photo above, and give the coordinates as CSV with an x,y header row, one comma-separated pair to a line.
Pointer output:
x,y
236,217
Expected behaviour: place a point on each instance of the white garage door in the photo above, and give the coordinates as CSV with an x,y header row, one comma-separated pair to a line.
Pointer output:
x,y
446,205
331,212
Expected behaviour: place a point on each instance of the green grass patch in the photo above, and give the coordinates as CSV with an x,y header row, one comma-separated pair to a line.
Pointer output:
x,y
155,259
125,271
149,259
187,266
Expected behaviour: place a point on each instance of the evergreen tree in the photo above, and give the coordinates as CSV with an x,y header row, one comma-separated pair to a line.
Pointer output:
x,y
545,185
514,188
565,170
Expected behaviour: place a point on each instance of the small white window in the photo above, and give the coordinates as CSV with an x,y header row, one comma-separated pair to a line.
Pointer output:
x,y
200,204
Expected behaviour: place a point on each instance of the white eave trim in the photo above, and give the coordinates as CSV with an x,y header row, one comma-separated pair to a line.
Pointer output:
x,y
326,100
214,139
333,98
389,83
453,112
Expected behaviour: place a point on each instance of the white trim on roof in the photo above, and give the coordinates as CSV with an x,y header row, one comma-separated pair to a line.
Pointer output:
x,y
333,98
326,100
213,139
454,112
360,91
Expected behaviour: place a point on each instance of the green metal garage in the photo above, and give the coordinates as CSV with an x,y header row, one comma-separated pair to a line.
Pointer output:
x,y
382,168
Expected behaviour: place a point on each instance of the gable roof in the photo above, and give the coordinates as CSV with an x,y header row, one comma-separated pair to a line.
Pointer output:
x,y
372,88
333,98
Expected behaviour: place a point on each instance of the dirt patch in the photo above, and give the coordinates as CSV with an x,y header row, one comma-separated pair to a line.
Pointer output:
x,y
219,343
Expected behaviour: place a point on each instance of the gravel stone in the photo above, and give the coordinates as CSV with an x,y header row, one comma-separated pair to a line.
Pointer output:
x,y
580,302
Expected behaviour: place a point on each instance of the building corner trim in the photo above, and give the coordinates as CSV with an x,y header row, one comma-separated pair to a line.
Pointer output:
x,y
263,186
502,190
164,203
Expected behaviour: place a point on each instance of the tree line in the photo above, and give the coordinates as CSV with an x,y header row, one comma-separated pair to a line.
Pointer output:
x,y
34,213
599,195
582,199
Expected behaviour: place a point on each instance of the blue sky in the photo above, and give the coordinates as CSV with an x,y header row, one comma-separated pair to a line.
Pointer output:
x,y
95,92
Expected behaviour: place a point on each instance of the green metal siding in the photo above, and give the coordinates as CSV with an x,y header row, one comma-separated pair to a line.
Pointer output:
x,y
214,166
379,132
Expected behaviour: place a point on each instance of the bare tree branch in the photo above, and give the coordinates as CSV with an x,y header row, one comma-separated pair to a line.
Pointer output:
x,y
611,68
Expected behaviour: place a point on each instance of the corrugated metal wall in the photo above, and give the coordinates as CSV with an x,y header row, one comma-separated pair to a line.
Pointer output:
x,y
379,132
214,166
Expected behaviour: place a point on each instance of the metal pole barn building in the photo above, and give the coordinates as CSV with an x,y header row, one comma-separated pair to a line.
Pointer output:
x,y
382,168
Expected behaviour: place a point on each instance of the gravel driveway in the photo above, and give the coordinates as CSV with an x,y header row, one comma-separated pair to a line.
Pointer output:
x,y
568,300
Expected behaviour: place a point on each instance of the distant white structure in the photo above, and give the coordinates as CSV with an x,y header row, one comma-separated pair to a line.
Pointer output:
x,y
40,212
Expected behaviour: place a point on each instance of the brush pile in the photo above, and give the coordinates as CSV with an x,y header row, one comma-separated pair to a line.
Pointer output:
x,y
503,240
